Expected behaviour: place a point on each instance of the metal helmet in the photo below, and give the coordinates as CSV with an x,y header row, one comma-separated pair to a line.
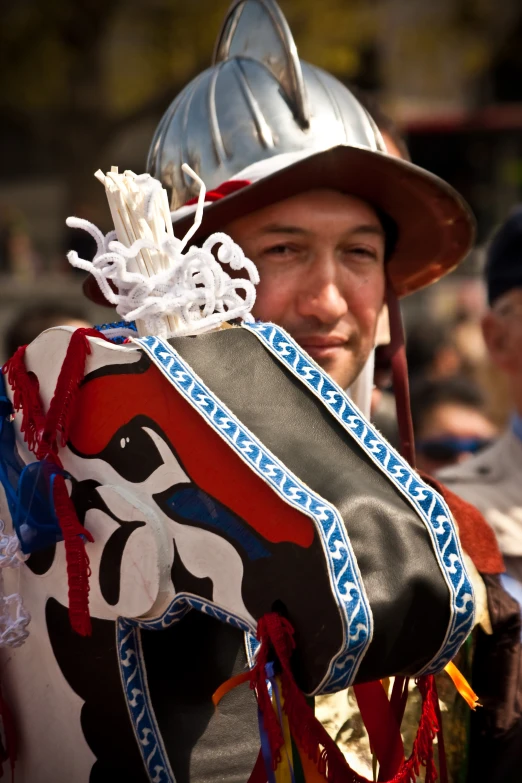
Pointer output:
x,y
257,100
260,126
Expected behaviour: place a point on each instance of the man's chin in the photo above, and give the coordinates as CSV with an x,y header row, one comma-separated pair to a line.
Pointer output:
x,y
343,373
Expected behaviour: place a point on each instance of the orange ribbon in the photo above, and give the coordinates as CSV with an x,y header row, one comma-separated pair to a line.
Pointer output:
x,y
463,686
228,685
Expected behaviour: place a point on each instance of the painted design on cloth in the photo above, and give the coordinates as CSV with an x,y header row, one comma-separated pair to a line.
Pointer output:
x,y
345,578
430,506
134,678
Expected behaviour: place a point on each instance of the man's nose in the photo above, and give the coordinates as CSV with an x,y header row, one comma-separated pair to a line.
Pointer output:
x,y
320,294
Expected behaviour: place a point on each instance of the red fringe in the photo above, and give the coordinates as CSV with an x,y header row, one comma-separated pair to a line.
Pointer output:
x,y
26,397
277,637
61,407
44,435
78,570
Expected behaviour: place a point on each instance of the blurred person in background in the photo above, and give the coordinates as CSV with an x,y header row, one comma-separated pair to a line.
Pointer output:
x,y
17,254
449,422
492,480
33,320
431,351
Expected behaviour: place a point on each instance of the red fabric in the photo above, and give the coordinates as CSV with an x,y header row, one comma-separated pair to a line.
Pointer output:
x,y
26,397
78,570
225,189
476,536
277,642
382,727
61,407
258,774
203,454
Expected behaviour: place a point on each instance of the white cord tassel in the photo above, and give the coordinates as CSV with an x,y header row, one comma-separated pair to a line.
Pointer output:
x,y
168,292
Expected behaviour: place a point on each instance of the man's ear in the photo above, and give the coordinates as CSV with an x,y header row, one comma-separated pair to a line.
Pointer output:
x,y
496,337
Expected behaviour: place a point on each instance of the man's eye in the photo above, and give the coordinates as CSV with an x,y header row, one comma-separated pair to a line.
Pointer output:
x,y
278,250
362,252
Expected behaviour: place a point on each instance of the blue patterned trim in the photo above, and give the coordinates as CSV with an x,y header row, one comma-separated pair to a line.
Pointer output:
x,y
134,676
118,331
134,679
342,566
429,505
183,603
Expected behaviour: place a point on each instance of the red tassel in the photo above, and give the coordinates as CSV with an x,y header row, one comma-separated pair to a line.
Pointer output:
x,y
26,397
277,639
61,407
44,435
78,570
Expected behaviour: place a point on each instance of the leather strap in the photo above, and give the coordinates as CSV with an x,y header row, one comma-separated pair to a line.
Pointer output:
x,y
397,356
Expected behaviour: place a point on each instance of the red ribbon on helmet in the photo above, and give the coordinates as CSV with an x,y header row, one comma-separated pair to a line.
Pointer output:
x,y
225,189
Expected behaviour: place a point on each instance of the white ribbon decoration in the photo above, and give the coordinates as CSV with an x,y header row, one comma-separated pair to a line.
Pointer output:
x,y
193,286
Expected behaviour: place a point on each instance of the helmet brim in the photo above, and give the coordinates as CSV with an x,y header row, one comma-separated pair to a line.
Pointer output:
x,y
435,226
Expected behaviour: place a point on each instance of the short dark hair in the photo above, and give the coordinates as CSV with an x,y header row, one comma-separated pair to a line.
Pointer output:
x,y
427,394
33,320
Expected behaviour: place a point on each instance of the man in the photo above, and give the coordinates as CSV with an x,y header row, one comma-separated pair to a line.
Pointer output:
x,y
298,175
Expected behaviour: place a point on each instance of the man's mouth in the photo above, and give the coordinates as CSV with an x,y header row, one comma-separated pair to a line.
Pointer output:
x,y
323,347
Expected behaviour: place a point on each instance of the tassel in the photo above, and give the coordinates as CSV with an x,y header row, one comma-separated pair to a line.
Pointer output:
x,y
78,570
275,632
61,407
44,434
277,637
26,397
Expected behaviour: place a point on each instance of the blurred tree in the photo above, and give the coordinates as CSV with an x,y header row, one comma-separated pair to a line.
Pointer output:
x,y
77,74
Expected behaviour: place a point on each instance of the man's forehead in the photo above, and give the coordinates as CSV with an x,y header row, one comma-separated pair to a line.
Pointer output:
x,y
299,214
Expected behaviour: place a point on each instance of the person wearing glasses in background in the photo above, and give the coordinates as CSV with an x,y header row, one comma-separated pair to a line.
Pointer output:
x,y
449,421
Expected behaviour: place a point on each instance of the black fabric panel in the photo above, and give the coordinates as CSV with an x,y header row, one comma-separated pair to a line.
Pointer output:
x,y
186,664
90,666
407,592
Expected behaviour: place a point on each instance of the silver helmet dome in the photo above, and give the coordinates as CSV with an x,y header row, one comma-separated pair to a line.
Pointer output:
x,y
256,101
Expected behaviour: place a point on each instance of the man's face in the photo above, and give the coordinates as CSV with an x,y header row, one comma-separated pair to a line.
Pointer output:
x,y
320,257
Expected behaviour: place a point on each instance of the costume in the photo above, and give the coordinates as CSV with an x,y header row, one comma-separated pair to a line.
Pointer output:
x,y
181,526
